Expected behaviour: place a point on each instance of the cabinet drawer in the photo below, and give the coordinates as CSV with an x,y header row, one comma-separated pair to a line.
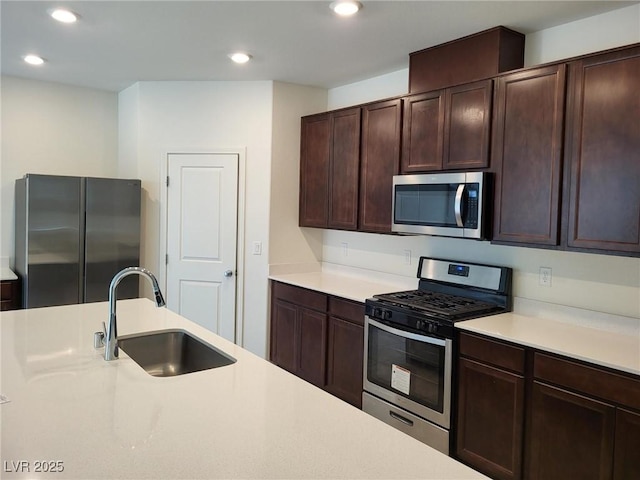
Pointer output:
x,y
620,389
6,290
352,311
300,296
495,353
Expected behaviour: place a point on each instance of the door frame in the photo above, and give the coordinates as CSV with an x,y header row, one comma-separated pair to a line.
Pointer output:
x,y
240,233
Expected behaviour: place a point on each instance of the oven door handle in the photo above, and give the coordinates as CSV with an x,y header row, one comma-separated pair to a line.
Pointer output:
x,y
405,334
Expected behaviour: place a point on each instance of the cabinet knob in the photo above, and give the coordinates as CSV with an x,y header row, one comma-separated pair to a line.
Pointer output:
x,y
228,273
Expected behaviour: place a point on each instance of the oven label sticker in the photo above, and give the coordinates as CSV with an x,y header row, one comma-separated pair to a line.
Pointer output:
x,y
400,379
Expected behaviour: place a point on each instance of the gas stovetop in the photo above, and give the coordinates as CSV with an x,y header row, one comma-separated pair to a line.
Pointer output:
x,y
436,303
448,291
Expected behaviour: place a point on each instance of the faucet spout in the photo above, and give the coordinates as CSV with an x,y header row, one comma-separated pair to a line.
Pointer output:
x,y
111,334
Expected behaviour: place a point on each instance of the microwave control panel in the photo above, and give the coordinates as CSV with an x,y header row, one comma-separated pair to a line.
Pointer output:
x,y
471,217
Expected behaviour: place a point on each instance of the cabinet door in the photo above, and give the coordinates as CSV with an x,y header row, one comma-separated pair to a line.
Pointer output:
x,y
467,126
626,460
571,436
10,295
380,161
344,169
603,148
423,132
527,155
345,360
284,334
490,419
314,171
312,346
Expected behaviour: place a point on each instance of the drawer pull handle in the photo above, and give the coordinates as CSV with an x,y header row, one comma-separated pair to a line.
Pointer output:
x,y
400,418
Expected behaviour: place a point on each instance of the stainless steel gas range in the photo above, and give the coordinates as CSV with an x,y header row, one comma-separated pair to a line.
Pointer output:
x,y
409,343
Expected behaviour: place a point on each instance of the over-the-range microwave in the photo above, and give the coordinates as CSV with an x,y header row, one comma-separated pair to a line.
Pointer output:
x,y
443,204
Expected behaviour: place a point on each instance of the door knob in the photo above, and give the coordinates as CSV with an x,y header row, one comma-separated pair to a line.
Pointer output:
x,y
228,273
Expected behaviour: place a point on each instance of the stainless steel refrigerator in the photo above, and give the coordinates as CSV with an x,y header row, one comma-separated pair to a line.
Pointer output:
x,y
73,234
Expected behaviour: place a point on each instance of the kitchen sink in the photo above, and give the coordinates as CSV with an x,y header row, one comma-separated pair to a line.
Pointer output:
x,y
167,353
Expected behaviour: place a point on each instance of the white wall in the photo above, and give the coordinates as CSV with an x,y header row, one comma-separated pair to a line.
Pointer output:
x,y
595,282
53,129
161,117
390,85
609,30
289,244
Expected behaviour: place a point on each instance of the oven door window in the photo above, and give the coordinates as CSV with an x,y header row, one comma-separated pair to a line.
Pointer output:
x,y
408,367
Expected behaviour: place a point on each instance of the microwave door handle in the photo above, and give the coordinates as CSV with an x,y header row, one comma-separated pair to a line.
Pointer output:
x,y
457,206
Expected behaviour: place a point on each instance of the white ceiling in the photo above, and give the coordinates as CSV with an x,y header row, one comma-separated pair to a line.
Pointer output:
x,y
117,43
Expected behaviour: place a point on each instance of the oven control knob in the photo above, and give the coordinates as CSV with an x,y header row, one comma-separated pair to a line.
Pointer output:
x,y
432,328
386,315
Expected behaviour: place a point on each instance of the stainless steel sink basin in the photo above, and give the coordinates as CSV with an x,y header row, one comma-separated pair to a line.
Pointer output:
x,y
168,353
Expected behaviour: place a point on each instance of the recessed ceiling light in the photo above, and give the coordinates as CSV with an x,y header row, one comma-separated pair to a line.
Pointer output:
x,y
240,57
33,59
64,16
345,8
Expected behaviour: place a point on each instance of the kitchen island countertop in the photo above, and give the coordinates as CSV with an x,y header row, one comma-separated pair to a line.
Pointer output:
x,y
96,419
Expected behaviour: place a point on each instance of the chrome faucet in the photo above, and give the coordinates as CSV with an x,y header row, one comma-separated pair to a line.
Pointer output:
x,y
109,337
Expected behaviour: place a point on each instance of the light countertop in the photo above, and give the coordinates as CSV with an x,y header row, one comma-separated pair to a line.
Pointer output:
x,y
352,287
112,420
547,327
7,274
609,349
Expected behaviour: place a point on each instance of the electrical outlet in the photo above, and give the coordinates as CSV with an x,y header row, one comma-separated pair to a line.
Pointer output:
x,y
345,249
545,276
407,257
257,248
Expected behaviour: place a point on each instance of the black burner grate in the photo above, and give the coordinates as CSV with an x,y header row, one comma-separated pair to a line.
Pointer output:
x,y
451,306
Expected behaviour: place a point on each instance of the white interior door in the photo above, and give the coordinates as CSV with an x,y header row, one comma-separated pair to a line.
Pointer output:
x,y
202,213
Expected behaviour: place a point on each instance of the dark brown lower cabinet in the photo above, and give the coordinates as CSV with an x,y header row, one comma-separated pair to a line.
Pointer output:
x,y
312,346
345,350
319,338
571,436
10,295
523,413
284,320
626,463
490,413
491,409
299,332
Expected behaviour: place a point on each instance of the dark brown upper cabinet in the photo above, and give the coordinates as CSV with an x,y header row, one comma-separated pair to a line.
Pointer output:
x,y
329,170
344,169
314,170
603,152
527,155
447,129
380,160
467,59
423,132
